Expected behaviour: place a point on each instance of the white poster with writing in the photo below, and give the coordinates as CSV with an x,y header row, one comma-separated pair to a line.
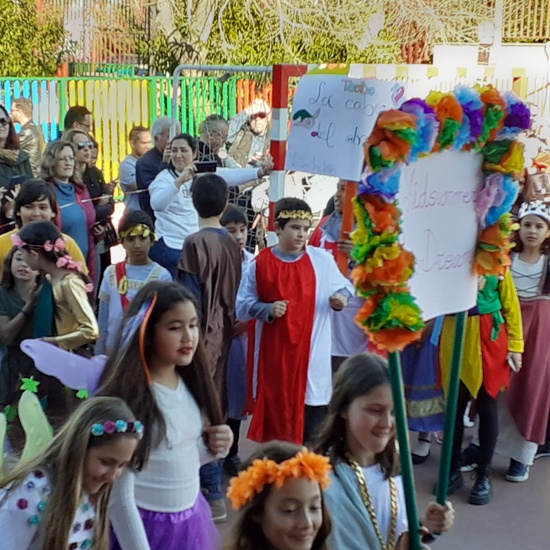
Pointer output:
x,y
332,117
437,195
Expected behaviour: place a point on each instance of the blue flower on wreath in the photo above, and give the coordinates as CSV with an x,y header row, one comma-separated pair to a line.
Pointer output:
x,y
384,183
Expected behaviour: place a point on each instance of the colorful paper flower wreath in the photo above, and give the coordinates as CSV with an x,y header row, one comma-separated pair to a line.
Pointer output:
x,y
480,119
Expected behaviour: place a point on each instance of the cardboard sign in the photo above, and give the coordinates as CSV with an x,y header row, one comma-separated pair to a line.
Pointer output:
x,y
332,116
437,196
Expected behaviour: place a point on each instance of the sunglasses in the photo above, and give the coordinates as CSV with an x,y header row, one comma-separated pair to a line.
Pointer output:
x,y
4,121
258,115
83,144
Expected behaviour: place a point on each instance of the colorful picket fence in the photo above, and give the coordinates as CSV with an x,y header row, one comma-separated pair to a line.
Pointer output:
x,y
119,104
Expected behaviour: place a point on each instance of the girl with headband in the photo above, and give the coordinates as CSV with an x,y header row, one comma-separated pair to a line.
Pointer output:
x,y
60,499
161,371
122,281
44,250
279,493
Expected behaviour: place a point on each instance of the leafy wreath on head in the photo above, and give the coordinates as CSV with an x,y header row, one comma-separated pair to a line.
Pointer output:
x,y
479,119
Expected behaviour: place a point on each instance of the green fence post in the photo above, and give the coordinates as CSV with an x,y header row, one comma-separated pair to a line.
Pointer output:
x,y
63,83
152,100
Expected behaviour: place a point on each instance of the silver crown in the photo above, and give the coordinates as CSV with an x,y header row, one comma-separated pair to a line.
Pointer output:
x,y
535,208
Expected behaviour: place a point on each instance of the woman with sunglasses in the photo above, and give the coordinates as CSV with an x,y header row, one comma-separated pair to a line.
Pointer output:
x,y
100,193
15,165
77,215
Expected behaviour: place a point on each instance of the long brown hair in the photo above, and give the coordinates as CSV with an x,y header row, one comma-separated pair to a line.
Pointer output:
x,y
248,533
125,375
357,376
12,141
63,462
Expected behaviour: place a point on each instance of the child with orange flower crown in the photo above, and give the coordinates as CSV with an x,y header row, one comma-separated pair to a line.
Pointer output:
x,y
291,288
366,496
44,250
279,492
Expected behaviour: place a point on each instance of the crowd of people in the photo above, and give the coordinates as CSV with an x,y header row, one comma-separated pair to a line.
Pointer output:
x,y
202,327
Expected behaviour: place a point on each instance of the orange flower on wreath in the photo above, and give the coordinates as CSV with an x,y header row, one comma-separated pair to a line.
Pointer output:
x,y
391,146
384,216
490,96
394,339
368,308
393,272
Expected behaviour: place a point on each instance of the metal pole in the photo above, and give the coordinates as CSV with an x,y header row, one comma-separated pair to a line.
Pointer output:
x,y
396,379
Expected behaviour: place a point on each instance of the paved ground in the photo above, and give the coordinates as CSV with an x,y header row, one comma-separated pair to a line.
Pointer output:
x,y
518,518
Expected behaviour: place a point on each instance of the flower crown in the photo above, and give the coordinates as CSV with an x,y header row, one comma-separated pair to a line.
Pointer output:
x,y
535,208
137,230
64,261
262,472
294,215
58,245
117,426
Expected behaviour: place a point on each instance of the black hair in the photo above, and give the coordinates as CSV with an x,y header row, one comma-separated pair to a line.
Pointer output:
x,y
77,113
125,376
357,376
32,190
289,203
210,194
135,217
248,533
233,214
191,141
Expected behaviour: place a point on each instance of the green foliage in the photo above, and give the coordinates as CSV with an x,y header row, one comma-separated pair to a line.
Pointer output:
x,y
28,48
253,35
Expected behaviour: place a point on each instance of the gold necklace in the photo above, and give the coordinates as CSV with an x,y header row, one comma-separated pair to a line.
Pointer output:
x,y
390,545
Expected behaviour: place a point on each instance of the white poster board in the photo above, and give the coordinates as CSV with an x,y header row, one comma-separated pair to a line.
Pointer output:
x,y
332,117
437,196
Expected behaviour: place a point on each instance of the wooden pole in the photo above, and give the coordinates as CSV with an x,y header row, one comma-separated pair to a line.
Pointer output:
x,y
402,428
347,224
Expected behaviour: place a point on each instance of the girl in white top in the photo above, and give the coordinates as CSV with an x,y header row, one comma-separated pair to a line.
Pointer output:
x,y
523,420
59,500
170,192
366,498
160,369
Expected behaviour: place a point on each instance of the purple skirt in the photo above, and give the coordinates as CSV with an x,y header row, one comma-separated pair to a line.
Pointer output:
x,y
192,529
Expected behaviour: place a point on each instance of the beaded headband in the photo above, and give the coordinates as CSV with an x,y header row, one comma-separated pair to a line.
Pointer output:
x,y
294,215
117,426
262,472
535,208
137,230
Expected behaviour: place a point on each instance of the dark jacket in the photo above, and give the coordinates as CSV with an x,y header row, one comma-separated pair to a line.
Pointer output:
x,y
32,142
148,167
94,180
10,167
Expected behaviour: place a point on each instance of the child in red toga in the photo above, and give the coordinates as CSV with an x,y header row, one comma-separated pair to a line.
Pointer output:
x,y
290,288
